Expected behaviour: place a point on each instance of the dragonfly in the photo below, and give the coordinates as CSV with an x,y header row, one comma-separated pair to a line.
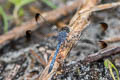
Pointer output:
x,y
62,37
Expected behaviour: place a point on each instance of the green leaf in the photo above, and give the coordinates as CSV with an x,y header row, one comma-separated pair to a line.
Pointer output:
x,y
24,2
5,19
108,64
21,3
16,2
115,70
21,12
111,72
50,4
18,5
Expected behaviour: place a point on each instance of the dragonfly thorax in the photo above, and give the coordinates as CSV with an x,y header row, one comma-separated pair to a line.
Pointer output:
x,y
62,36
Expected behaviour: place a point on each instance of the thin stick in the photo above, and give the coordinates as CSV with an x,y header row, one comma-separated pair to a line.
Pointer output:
x,y
101,7
38,57
13,72
102,54
112,39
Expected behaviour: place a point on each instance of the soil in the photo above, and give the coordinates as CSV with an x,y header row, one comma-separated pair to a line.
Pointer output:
x,y
17,52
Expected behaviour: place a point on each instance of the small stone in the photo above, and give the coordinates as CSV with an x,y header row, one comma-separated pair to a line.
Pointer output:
x,y
49,51
41,49
117,62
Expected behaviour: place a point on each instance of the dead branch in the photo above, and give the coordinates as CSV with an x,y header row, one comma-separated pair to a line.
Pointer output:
x,y
112,39
78,23
50,16
102,54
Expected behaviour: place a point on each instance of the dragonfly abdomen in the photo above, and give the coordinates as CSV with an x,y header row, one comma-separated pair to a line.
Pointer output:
x,y
54,58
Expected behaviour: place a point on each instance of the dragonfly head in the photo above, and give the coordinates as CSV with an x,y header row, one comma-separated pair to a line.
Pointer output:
x,y
66,29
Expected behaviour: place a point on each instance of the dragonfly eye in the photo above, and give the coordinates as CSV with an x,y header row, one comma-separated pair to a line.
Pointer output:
x,y
66,29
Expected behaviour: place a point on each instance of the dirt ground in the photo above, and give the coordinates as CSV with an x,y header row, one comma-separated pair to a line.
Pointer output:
x,y
18,55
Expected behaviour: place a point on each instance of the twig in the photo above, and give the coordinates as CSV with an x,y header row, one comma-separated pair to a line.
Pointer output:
x,y
51,16
102,54
13,72
38,57
78,23
32,63
112,39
